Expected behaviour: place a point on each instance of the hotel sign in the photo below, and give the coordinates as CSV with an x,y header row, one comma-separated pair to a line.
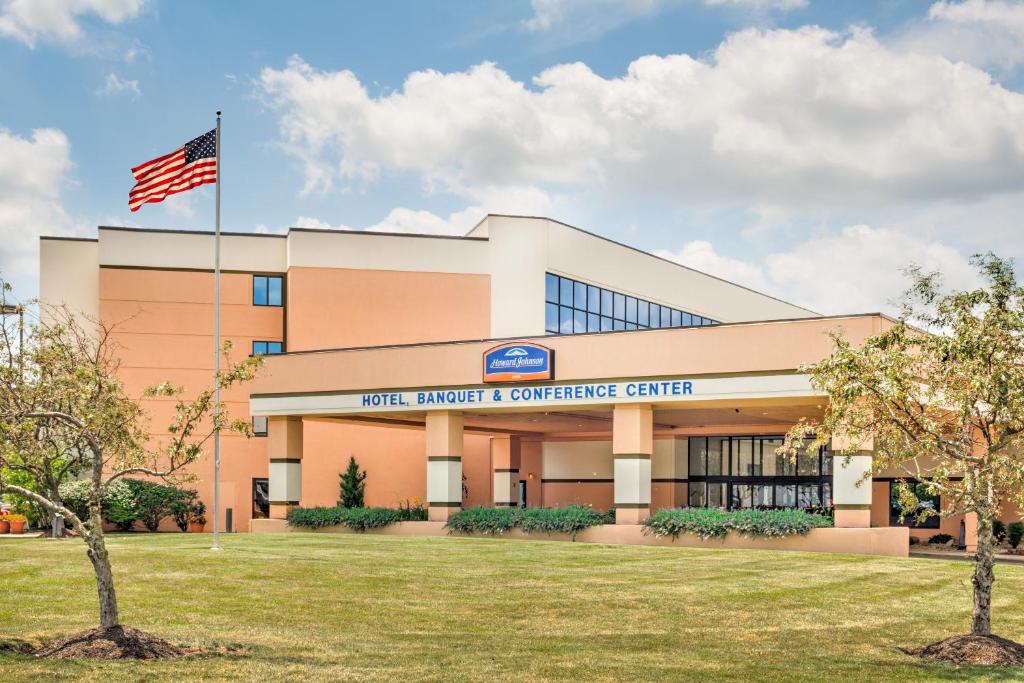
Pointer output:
x,y
519,362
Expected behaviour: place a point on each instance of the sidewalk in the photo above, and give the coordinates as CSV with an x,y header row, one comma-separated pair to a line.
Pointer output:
x,y
27,534
963,556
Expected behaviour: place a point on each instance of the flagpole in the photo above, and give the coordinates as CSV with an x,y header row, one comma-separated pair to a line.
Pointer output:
x,y
216,355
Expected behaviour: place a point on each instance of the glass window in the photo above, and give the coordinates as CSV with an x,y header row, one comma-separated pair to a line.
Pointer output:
x,y
826,463
630,326
655,315
580,296
620,306
770,462
551,288
744,464
259,348
606,324
677,318
925,501
565,320
593,299
716,496
551,317
643,310
259,426
697,498
666,316
565,292
593,322
698,456
808,496
579,322
718,455
620,324
259,290
785,495
274,291
630,309
606,303
686,320
807,463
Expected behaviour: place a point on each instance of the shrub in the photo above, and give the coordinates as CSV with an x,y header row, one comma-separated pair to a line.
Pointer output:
x,y
153,501
498,520
352,486
999,530
118,505
571,520
411,510
940,539
483,520
357,519
181,508
1015,533
708,523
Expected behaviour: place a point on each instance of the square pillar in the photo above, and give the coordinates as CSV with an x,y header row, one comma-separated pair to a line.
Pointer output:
x,y
971,532
284,446
851,485
505,457
632,445
444,464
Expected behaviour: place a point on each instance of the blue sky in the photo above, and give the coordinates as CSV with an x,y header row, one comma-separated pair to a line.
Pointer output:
x,y
803,147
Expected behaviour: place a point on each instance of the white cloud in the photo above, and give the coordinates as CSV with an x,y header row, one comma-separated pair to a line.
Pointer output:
x,y
30,21
33,172
408,221
856,269
986,33
114,84
586,19
784,117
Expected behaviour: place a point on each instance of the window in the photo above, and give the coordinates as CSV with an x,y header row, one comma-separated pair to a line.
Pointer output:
x,y
259,426
260,498
266,290
266,348
925,501
575,307
745,472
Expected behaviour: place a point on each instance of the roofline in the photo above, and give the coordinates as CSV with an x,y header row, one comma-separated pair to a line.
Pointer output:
x,y
500,340
58,238
647,253
388,234
178,231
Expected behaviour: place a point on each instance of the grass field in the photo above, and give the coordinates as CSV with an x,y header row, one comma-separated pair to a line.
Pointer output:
x,y
378,608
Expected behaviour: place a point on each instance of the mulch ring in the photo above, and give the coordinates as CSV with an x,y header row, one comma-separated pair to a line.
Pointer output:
x,y
972,651
113,643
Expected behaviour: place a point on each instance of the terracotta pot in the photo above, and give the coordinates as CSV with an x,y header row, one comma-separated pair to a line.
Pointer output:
x,y
17,527
5,527
196,527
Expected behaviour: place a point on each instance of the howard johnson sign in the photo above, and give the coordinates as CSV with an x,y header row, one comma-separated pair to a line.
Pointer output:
x,y
519,362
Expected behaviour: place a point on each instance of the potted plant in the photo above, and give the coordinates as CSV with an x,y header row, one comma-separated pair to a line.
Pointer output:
x,y
197,519
5,526
17,523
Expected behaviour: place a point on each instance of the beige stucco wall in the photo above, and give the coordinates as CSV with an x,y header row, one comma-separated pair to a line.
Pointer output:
x,y
69,275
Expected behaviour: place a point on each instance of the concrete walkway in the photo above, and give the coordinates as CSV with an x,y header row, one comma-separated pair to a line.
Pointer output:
x,y
963,556
27,534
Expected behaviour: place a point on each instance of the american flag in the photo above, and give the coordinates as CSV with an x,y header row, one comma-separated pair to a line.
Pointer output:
x,y
189,166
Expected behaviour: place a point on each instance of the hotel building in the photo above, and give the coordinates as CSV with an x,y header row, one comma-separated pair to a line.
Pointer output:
x,y
526,363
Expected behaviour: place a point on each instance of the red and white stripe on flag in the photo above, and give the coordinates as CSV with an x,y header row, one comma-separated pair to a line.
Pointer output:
x,y
190,166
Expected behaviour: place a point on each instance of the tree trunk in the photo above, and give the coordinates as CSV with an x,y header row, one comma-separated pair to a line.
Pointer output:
x,y
984,559
101,567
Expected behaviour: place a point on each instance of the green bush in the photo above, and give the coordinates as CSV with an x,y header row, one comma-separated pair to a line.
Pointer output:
x,y
940,539
571,520
999,530
117,506
153,501
411,510
498,520
1015,533
483,520
128,500
351,486
708,523
182,506
357,519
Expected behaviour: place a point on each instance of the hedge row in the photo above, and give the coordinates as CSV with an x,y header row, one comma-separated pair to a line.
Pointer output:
x,y
126,501
708,523
357,519
492,520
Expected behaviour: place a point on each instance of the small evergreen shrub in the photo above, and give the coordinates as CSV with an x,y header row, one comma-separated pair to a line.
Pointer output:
x,y
708,523
1015,533
940,539
352,486
153,501
483,520
357,519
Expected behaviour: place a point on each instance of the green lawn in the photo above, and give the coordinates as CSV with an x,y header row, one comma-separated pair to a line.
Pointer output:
x,y
378,608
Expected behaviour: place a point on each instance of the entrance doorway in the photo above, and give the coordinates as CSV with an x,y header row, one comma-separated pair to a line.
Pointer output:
x,y
260,498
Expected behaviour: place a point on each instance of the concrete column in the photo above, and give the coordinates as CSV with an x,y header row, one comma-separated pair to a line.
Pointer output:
x,y
505,457
284,445
444,464
632,444
851,484
971,532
